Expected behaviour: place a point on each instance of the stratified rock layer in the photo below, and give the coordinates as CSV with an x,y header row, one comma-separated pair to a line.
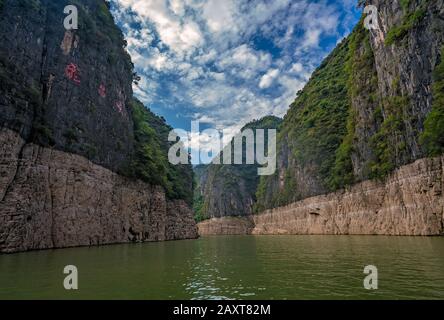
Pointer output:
x,y
409,202
54,199
226,226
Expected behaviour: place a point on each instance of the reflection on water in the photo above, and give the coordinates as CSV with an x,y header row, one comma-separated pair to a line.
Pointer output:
x,y
217,265
272,267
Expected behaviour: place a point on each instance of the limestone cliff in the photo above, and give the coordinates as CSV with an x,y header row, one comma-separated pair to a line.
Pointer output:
x,y
82,161
54,199
374,106
409,202
227,226
364,111
230,190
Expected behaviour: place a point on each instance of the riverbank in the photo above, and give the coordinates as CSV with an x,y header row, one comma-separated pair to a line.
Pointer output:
x,y
226,226
409,202
54,199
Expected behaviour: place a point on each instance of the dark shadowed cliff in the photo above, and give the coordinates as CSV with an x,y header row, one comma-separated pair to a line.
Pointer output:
x,y
82,161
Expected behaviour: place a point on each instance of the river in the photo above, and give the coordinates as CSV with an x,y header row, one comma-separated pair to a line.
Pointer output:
x,y
236,267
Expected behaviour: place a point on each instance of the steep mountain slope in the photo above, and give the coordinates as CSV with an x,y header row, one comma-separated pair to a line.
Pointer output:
x,y
74,140
349,146
371,107
311,133
229,190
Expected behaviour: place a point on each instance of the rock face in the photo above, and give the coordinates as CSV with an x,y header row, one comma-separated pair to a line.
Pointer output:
x,y
363,112
54,199
82,161
70,90
226,226
410,202
403,72
230,190
373,107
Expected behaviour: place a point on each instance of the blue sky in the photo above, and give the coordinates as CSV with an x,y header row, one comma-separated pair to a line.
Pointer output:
x,y
227,62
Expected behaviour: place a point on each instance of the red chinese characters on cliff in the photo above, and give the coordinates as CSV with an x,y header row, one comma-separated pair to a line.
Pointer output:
x,y
102,91
120,106
72,72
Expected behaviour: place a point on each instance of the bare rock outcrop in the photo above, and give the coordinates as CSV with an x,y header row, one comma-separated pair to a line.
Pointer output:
x,y
410,202
226,226
54,199
82,161
363,112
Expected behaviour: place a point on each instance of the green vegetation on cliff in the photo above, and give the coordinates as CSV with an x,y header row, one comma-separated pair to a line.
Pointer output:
x,y
433,135
409,21
359,66
388,118
198,200
389,143
312,132
316,122
150,161
229,190
404,4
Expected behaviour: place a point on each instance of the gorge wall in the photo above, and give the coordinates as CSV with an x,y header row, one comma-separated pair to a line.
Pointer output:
x,y
409,202
82,162
54,199
230,190
226,226
373,107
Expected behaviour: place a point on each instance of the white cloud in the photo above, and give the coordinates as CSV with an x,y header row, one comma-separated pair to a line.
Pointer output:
x,y
214,58
297,68
311,38
177,6
244,56
181,36
268,78
219,15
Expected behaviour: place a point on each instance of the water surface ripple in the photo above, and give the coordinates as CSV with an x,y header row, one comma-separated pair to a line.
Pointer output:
x,y
243,267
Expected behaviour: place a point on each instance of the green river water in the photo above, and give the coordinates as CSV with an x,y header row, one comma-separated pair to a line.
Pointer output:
x,y
237,267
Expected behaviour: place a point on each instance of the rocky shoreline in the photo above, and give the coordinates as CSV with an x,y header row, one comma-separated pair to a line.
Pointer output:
x,y
53,199
409,202
227,226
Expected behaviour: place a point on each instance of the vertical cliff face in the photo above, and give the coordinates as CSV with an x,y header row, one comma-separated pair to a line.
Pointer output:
x,y
311,131
70,90
409,203
55,199
402,58
229,190
373,108
373,105
74,140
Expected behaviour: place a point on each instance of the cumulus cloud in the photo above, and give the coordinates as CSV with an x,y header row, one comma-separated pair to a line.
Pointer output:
x,y
297,67
268,78
228,62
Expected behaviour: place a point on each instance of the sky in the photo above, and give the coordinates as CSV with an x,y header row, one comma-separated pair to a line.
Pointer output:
x,y
227,62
